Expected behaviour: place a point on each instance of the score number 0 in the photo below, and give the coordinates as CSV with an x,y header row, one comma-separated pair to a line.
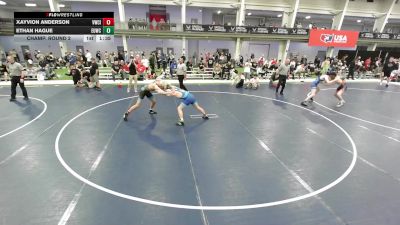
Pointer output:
x,y
108,21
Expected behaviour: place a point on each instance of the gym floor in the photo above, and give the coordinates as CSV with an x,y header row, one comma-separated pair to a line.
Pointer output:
x,y
67,157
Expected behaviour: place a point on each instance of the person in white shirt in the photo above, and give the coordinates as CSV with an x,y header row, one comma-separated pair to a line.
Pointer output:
x,y
88,55
247,69
145,62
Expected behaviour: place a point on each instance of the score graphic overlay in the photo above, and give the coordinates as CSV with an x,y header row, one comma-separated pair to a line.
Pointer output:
x,y
64,26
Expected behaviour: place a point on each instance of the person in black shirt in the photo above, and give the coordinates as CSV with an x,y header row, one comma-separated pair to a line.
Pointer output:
x,y
241,60
201,66
352,67
210,62
189,65
116,69
388,68
227,70
98,56
76,75
94,74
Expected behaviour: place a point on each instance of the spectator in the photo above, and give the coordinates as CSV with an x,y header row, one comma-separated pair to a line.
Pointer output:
x,y
247,69
98,56
189,65
31,71
76,75
116,69
210,62
94,75
3,71
227,70
217,71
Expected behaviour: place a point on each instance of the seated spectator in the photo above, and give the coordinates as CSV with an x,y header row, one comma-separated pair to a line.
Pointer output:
x,y
210,62
116,70
299,71
227,70
253,83
217,70
201,66
253,68
124,69
189,65
3,71
31,71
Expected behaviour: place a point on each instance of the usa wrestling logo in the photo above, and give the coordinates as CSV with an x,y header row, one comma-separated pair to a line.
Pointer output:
x,y
326,38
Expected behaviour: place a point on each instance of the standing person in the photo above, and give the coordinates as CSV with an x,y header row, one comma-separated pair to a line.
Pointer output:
x,y
94,74
88,56
181,73
187,99
145,92
314,88
388,67
340,89
152,63
15,71
247,69
132,74
352,66
283,72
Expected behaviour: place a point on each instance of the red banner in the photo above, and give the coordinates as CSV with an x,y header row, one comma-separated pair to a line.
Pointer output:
x,y
333,38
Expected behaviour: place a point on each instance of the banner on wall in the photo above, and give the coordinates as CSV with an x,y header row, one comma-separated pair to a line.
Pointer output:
x,y
333,38
244,29
387,36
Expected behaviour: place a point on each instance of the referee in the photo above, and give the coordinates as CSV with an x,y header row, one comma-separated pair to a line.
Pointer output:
x,y
283,71
15,72
181,73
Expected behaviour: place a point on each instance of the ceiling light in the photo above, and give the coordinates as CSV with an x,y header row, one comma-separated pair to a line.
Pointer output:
x,y
30,4
358,21
279,15
219,11
249,14
308,17
200,10
61,5
3,3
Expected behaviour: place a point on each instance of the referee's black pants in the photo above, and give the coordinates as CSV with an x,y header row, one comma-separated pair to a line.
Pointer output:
x,y
282,82
180,78
14,81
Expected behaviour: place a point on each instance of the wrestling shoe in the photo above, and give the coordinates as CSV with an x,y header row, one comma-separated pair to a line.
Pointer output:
x,y
180,123
205,117
303,103
340,103
125,116
152,111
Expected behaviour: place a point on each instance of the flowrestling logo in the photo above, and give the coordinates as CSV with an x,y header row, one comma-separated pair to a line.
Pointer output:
x,y
333,38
